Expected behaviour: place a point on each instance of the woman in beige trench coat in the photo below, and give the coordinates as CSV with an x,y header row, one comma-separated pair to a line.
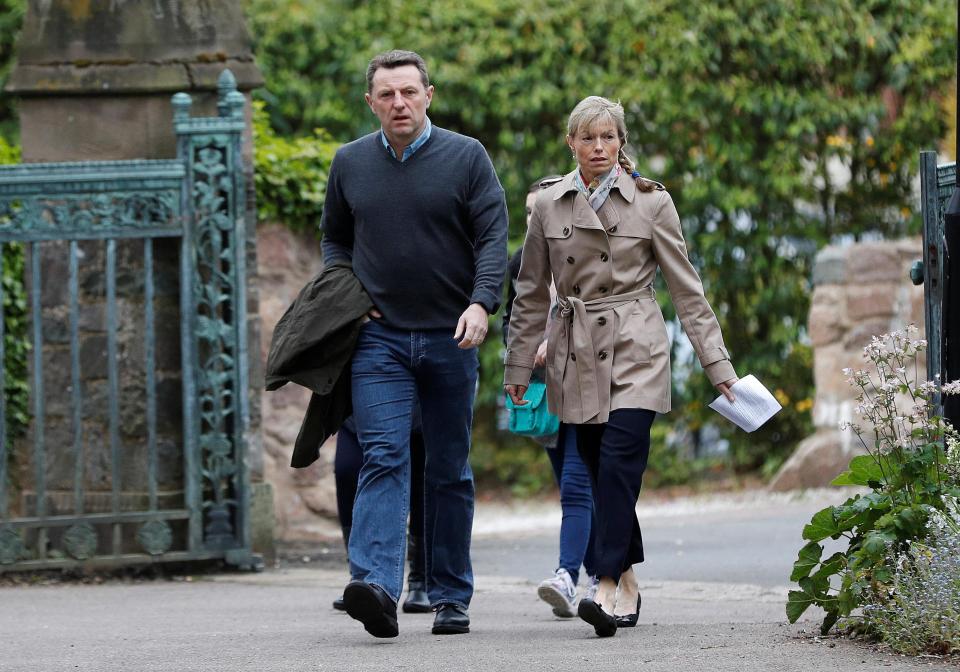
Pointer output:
x,y
600,234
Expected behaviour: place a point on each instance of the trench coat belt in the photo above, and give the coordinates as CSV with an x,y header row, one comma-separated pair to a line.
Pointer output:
x,y
575,335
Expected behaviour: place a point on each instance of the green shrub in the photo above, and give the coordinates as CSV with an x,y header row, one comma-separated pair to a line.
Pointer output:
x,y
920,611
904,468
743,108
15,339
500,459
291,174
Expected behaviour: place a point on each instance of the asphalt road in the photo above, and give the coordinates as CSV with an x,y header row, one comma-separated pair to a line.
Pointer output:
x,y
749,542
713,600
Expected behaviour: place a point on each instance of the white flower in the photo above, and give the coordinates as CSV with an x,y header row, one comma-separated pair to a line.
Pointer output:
x,y
951,388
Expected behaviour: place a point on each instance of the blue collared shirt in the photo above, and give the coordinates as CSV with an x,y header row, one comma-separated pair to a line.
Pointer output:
x,y
413,146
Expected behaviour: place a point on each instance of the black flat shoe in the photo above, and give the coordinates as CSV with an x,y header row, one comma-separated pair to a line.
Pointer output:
x,y
417,602
603,623
629,620
338,604
451,620
371,605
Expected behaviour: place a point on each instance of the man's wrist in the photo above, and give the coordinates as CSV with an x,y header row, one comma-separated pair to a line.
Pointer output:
x,y
486,300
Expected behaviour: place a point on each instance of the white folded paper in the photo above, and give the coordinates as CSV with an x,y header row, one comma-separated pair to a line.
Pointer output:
x,y
753,407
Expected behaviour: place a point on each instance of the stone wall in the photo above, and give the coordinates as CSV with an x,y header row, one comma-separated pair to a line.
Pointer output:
x,y
58,393
304,500
860,291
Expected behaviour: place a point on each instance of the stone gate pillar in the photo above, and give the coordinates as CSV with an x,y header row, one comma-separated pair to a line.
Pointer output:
x,y
94,80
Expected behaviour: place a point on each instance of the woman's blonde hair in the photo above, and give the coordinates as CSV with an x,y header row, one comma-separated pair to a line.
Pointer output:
x,y
594,109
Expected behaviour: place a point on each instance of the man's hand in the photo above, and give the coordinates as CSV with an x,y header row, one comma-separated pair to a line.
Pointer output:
x,y
472,327
516,393
541,358
374,314
724,389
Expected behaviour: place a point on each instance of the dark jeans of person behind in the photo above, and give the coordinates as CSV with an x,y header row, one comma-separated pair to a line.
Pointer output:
x,y
576,502
616,456
346,470
392,369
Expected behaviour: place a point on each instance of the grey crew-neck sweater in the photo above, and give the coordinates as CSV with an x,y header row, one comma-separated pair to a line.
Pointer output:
x,y
427,236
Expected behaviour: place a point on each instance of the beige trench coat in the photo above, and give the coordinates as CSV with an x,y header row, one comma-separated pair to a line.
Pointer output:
x,y
607,346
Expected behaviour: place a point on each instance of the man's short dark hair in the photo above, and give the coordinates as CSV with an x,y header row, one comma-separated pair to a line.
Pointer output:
x,y
395,59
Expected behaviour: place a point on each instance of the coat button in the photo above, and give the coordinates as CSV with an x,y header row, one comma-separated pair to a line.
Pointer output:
x,y
570,260
613,229
603,354
573,356
566,230
576,289
602,321
603,290
603,256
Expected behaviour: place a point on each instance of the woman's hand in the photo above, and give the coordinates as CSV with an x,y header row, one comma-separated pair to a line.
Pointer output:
x,y
541,357
516,393
724,389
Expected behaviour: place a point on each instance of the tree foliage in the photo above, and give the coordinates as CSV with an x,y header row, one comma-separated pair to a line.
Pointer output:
x,y
14,309
290,174
11,17
778,127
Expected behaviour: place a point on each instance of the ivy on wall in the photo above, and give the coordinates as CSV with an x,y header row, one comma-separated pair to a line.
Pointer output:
x,y
15,338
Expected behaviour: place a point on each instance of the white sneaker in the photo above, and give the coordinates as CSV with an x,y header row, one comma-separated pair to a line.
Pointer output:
x,y
593,584
559,592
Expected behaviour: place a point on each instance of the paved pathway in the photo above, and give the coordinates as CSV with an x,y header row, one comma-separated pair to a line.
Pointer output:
x,y
281,619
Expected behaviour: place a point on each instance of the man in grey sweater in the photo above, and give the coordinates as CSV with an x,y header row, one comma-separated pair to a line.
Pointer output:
x,y
420,212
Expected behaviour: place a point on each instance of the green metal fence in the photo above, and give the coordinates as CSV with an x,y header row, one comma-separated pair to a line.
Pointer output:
x,y
135,451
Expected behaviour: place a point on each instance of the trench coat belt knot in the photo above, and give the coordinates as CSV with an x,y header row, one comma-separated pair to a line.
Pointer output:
x,y
575,338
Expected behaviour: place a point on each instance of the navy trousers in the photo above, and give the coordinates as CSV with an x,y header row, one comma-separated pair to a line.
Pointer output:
x,y
616,456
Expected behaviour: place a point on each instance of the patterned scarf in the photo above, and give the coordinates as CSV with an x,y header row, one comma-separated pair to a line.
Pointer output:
x,y
599,188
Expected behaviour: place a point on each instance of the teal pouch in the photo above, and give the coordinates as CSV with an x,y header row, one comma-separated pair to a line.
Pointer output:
x,y
533,418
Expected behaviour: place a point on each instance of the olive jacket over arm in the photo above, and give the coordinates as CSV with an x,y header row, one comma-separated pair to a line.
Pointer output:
x,y
608,346
312,346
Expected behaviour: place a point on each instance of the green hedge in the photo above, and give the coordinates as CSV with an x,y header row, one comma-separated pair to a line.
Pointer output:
x,y
291,174
15,340
746,109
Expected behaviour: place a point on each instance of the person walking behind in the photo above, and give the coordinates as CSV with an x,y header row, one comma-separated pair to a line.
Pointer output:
x,y
573,479
422,215
601,233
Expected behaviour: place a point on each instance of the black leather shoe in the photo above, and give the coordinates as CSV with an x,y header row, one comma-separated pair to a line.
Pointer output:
x,y
371,605
603,623
338,604
417,601
451,620
629,620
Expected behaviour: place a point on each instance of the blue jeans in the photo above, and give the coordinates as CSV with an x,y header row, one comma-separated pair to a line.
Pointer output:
x,y
576,502
392,369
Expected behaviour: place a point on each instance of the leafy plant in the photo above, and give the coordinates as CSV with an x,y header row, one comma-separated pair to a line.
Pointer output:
x,y
290,174
920,611
743,108
15,340
904,468
11,18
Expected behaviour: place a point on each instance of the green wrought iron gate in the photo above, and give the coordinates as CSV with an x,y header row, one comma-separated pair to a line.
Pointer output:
x,y
135,448
936,187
